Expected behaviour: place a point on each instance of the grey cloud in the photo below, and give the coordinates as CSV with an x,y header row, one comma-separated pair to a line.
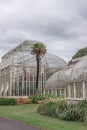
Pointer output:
x,y
55,22
61,29
82,9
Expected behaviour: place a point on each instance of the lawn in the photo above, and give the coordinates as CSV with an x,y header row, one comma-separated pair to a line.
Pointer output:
x,y
27,114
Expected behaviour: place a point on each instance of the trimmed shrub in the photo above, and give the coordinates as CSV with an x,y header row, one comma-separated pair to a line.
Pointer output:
x,y
7,101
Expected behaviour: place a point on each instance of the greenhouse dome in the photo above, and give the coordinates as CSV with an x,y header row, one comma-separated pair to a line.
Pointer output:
x,y
18,70
22,55
71,81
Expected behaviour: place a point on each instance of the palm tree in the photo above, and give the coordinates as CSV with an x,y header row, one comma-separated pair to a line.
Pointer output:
x,y
39,50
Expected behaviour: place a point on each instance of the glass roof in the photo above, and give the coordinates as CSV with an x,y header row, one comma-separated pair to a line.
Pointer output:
x,y
21,55
77,71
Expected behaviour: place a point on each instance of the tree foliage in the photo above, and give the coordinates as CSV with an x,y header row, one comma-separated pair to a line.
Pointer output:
x,y
81,52
38,49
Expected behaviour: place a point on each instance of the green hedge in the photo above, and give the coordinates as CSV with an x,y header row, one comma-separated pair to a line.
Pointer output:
x,y
60,109
7,101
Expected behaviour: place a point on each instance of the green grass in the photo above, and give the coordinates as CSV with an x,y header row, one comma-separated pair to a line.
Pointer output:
x,y
27,114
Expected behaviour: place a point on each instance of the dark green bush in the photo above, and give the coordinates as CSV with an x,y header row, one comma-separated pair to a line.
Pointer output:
x,y
74,112
52,108
73,115
7,101
60,109
34,99
37,98
83,104
43,109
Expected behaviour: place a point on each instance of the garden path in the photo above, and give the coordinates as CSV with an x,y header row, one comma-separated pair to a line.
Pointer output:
x,y
8,124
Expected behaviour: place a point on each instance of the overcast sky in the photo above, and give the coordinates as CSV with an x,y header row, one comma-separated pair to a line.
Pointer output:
x,y
60,24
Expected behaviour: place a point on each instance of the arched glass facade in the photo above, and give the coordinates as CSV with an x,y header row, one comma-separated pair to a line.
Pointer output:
x,y
18,70
71,81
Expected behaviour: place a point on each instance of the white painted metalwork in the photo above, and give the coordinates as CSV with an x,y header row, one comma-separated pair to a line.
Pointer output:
x,y
18,68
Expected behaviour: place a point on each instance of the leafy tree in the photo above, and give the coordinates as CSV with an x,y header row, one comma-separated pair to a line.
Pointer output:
x,y
39,50
81,52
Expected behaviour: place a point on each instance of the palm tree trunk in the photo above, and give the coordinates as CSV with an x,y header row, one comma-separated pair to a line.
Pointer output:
x,y
37,76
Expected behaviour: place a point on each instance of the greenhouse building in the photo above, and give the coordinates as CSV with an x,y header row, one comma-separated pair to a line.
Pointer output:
x,y
18,74
18,71
71,81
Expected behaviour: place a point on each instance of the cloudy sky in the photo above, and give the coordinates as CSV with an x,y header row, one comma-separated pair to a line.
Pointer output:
x,y
60,24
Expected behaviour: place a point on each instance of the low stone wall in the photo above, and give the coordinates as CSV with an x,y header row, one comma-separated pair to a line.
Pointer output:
x,y
74,100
